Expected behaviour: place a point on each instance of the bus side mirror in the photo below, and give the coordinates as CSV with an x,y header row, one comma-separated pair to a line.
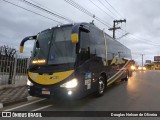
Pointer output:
x,y
21,49
75,38
24,40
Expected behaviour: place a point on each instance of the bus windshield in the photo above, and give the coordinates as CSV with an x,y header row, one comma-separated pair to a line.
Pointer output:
x,y
55,46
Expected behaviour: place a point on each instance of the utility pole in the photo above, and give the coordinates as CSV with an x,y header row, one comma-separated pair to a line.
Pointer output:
x,y
142,59
114,26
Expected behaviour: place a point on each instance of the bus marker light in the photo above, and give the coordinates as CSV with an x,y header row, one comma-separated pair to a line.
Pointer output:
x,y
38,61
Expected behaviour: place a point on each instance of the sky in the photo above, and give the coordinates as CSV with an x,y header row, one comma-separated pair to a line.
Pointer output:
x,y
142,26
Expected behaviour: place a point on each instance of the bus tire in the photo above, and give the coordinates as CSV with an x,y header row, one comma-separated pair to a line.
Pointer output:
x,y
101,86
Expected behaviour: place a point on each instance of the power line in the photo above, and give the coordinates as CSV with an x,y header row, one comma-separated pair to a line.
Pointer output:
x,y
45,10
142,39
101,21
113,8
145,42
107,8
31,11
133,36
80,8
37,3
101,9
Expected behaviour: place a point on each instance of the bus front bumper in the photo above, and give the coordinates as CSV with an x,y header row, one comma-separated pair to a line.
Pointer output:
x,y
53,92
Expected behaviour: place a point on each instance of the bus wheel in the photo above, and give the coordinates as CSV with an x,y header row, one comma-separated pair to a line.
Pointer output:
x,y
126,77
101,86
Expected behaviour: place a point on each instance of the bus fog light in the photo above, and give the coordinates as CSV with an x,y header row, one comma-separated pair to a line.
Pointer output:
x,y
69,92
29,83
71,84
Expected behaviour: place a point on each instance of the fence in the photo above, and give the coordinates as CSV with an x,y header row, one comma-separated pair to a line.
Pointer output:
x,y
13,67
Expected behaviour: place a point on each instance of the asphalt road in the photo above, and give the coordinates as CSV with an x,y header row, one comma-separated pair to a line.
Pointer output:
x,y
140,93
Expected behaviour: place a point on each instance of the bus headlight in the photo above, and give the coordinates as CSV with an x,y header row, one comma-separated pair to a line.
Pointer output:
x,y
71,84
29,83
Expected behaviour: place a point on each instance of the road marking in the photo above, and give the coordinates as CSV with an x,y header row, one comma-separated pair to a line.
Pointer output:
x,y
41,108
25,105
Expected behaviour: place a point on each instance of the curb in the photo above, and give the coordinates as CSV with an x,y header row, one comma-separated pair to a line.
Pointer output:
x,y
28,98
11,86
2,105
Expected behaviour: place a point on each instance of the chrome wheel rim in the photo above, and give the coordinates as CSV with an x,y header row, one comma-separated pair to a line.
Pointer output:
x,y
127,76
101,86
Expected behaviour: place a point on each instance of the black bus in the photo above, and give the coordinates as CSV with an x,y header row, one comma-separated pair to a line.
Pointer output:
x,y
75,60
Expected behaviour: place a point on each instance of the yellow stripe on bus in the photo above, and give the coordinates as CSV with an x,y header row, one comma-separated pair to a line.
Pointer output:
x,y
115,78
46,79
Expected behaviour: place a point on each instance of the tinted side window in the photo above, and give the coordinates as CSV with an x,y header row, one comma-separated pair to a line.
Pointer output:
x,y
84,51
85,41
97,43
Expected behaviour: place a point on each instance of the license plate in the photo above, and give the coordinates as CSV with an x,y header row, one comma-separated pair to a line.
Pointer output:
x,y
46,92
